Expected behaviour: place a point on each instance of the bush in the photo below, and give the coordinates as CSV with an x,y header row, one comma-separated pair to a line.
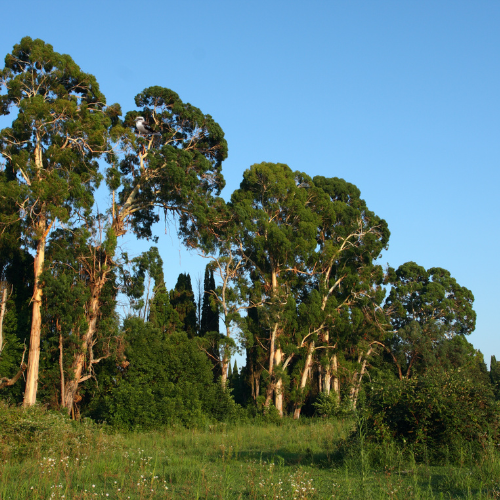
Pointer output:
x,y
26,431
168,381
439,414
328,405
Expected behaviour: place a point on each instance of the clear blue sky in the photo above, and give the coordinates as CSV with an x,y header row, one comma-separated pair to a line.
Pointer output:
x,y
401,98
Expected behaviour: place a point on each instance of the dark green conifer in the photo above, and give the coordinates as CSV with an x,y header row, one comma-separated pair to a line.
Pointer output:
x,y
210,310
495,376
182,300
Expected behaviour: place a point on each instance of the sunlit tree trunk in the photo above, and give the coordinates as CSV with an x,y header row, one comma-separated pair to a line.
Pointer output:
x,y
36,319
336,381
278,390
357,378
306,373
84,357
3,308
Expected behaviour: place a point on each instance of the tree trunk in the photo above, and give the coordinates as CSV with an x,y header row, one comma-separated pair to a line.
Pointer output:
x,y
80,359
327,378
278,390
6,382
271,386
225,364
2,312
336,380
357,378
61,368
274,359
303,379
36,321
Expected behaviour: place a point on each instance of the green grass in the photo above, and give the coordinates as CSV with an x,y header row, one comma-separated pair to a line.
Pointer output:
x,y
43,455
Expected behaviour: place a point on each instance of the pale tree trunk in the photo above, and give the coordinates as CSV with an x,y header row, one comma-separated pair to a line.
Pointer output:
x,y
61,368
225,365
225,358
357,378
327,375
36,321
327,379
304,377
336,380
275,358
2,312
271,386
80,359
42,230
331,379
98,273
278,390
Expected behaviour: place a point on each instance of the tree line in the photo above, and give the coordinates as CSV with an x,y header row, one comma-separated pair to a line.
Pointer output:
x,y
292,276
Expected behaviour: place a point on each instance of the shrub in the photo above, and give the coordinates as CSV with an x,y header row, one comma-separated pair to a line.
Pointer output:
x,y
168,381
25,431
439,414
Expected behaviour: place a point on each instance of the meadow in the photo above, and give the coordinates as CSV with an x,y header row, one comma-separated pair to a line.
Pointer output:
x,y
44,455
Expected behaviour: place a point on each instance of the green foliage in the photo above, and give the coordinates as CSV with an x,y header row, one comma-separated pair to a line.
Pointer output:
x,y
167,381
183,303
209,309
327,405
16,277
36,430
427,308
495,376
436,414
42,85
183,166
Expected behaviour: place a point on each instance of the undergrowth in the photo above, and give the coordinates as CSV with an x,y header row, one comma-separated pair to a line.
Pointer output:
x,y
45,455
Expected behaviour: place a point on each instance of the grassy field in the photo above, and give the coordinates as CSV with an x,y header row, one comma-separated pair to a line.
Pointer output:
x,y
43,456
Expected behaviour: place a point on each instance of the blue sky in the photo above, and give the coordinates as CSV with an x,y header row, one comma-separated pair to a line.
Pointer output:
x,y
400,98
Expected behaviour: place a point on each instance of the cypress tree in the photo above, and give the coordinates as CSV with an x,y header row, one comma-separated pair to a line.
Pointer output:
x,y
182,300
209,324
495,376
210,310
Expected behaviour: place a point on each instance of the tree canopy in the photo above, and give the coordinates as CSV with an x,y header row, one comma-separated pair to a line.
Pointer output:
x,y
292,279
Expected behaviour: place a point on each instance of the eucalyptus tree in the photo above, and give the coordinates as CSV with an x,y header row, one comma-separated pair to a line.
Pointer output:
x,y
177,172
426,307
230,298
216,236
343,286
277,238
69,356
52,147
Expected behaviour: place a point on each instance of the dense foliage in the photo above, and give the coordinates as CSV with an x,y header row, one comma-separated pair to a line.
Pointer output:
x,y
292,280
166,380
441,414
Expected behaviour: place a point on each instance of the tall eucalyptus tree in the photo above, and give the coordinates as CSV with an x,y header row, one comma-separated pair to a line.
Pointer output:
x,y
59,132
277,238
426,307
177,172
